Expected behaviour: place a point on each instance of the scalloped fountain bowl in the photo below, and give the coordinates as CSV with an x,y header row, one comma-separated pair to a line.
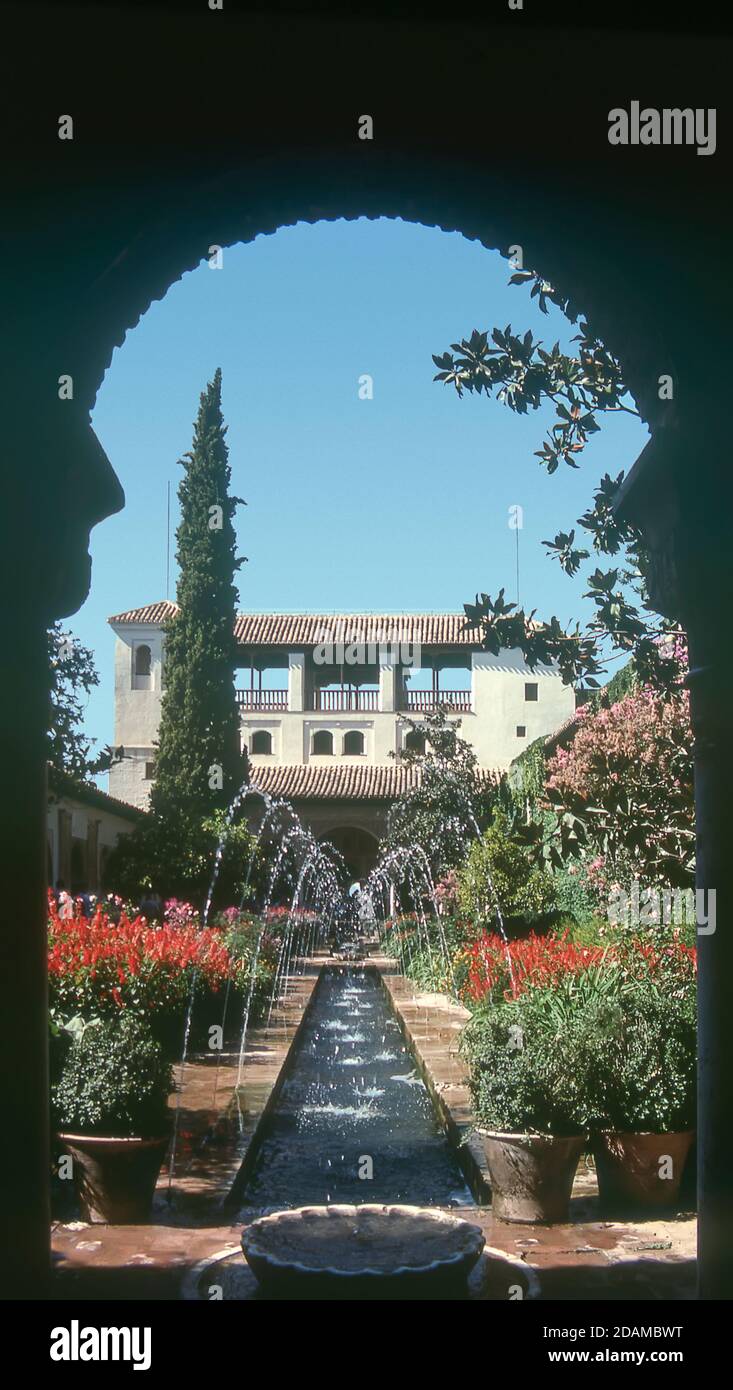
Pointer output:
x,y
350,1251
362,1253
337,1248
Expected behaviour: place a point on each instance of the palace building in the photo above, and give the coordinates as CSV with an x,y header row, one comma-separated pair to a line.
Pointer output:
x,y
325,703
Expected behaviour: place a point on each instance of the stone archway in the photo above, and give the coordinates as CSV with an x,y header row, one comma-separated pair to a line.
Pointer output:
x,y
358,847
147,191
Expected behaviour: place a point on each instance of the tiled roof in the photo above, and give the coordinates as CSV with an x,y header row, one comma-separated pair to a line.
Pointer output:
x,y
308,629
564,734
149,613
350,782
62,784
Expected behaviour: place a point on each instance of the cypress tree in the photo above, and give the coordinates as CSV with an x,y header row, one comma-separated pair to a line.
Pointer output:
x,y
199,766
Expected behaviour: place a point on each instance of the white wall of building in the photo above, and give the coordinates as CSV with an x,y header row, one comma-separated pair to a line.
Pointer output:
x,y
94,829
498,697
500,706
137,711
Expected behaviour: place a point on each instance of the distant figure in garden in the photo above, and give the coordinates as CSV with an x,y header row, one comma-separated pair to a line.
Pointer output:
x,y
151,906
64,900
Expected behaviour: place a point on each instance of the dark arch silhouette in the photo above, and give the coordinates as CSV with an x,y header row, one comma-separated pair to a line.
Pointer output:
x,y
143,660
359,848
415,741
632,236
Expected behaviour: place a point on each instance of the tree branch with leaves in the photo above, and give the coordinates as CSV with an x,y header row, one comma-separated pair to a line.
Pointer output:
x,y
524,375
73,677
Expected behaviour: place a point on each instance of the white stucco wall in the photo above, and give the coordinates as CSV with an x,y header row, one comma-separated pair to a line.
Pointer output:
x,y
499,707
110,827
137,711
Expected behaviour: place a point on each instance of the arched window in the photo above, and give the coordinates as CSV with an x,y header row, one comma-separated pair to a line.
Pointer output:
x,y
415,741
262,741
353,742
142,667
143,660
323,741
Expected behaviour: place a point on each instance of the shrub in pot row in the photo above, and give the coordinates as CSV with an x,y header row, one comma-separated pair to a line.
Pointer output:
x,y
110,1111
529,1106
604,1057
644,1093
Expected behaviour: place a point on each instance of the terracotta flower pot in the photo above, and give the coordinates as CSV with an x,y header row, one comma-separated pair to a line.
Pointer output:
x,y
632,1172
531,1174
115,1178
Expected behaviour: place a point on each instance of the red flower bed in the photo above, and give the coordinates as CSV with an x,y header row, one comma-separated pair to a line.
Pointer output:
x,y
535,960
298,916
539,960
96,965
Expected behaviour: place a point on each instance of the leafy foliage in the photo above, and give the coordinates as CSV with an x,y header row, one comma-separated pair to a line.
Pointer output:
x,y
523,1077
199,764
606,1043
73,676
608,1046
449,803
535,961
111,968
575,898
497,876
98,967
524,374
115,1081
525,779
432,953
649,1062
174,854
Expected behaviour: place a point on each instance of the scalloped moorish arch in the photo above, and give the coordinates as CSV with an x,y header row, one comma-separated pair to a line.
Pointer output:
x,y
261,198
590,257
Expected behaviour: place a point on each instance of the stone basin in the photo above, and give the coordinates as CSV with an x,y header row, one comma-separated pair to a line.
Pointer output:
x,y
352,1251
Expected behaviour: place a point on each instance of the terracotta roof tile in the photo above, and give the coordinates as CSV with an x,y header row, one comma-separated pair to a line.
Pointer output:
x,y
352,783
349,783
150,613
564,734
295,630
63,784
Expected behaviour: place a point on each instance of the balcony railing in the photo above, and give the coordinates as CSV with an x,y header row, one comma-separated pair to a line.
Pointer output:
x,y
358,701
262,701
427,701
363,700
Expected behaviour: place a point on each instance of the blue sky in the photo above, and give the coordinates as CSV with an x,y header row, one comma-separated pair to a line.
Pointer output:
x,y
395,503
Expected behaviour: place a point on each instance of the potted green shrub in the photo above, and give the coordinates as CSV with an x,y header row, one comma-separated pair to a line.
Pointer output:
x,y
110,1110
649,1097
528,1104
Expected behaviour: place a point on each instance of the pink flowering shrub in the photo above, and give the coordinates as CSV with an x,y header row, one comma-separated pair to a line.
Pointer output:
x,y
180,914
628,775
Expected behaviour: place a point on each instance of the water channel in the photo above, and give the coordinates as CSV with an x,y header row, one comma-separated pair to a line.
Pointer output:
x,y
353,1121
